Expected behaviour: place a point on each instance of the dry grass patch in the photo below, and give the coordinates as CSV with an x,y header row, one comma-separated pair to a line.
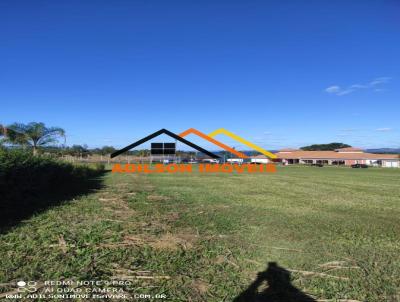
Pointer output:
x,y
155,197
120,273
168,241
108,200
174,241
131,194
147,188
118,208
200,286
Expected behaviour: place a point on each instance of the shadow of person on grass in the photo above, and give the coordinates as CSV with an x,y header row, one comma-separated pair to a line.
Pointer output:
x,y
278,289
17,205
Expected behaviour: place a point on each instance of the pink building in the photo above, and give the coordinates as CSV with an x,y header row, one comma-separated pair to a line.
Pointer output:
x,y
344,156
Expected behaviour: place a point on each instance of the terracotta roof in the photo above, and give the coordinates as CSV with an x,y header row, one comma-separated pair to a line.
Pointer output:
x,y
334,155
349,149
288,150
261,156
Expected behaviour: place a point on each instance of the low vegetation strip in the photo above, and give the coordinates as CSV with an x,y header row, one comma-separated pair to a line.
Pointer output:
x,y
29,183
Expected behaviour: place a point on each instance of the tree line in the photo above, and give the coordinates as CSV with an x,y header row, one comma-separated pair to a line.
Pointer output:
x,y
325,147
41,139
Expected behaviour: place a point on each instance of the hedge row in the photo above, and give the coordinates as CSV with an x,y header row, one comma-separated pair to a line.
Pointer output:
x,y
23,175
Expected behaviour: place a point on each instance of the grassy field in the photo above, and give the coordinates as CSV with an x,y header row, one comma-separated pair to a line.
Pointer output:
x,y
204,237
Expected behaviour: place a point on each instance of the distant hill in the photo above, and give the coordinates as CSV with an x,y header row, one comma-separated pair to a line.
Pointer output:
x,y
325,147
373,150
384,150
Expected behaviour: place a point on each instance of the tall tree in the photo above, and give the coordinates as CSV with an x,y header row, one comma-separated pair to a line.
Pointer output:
x,y
107,150
79,150
33,134
3,131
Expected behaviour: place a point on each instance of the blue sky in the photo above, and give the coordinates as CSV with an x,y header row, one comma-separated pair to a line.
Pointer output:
x,y
279,73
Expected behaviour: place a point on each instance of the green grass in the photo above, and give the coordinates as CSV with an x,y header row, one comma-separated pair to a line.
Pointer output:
x,y
211,233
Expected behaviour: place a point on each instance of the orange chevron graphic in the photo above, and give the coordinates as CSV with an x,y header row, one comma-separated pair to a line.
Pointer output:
x,y
211,140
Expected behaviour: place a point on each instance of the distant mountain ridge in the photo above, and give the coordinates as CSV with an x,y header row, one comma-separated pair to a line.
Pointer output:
x,y
384,150
372,150
247,152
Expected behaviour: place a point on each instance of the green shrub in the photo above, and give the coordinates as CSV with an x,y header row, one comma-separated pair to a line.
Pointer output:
x,y
22,174
100,167
30,184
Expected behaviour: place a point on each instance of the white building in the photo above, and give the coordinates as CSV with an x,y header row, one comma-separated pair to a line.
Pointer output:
x,y
260,159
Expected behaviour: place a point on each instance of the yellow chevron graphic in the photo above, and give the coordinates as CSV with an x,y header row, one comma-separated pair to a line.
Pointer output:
x,y
243,141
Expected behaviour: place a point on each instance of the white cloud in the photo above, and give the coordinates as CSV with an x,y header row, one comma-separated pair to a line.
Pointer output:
x,y
375,84
381,80
333,89
348,130
344,92
383,129
358,86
